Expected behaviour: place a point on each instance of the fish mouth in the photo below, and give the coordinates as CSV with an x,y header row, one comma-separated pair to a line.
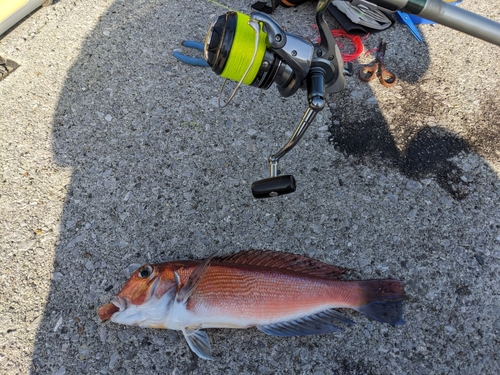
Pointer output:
x,y
117,304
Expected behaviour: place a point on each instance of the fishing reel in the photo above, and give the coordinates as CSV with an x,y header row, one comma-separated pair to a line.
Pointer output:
x,y
255,50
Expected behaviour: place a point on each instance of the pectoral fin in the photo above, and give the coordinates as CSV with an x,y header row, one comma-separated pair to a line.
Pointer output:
x,y
310,325
198,341
193,281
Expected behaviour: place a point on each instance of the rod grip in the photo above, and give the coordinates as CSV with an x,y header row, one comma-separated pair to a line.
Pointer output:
x,y
452,16
462,20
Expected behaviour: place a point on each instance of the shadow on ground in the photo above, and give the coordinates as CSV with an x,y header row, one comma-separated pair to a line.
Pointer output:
x,y
159,173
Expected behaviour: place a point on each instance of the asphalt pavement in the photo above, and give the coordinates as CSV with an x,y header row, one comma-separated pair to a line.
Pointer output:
x,y
114,154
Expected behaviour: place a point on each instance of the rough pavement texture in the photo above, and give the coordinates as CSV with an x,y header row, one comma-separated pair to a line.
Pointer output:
x,y
114,154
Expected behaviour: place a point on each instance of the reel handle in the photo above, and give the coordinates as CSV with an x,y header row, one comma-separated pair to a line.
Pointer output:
x,y
325,75
316,96
277,184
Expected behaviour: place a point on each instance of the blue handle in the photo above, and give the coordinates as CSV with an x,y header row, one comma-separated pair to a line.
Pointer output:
x,y
195,61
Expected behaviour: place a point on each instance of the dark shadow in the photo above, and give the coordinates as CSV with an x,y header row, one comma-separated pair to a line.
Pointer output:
x,y
427,155
418,149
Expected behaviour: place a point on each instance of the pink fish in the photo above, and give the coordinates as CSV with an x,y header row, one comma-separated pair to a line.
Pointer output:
x,y
281,294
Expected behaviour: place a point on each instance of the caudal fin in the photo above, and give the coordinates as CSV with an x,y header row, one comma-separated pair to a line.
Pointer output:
x,y
384,300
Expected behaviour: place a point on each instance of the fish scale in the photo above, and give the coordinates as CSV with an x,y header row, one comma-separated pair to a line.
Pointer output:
x,y
281,294
256,292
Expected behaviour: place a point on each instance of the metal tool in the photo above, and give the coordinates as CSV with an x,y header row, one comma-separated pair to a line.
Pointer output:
x,y
369,72
405,18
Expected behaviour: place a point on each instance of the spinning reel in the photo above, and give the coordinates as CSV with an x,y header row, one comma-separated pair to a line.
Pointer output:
x,y
256,51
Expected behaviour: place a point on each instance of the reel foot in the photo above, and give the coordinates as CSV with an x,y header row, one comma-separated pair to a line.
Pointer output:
x,y
273,186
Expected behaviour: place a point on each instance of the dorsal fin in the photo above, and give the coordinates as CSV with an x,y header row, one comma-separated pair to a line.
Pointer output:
x,y
288,261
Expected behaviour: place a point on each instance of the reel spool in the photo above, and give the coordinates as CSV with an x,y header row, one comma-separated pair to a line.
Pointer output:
x,y
232,46
229,53
256,51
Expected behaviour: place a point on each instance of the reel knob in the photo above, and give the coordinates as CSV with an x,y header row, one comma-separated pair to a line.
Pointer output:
x,y
273,186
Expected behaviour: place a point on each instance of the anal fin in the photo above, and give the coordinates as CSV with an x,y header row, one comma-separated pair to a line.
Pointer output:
x,y
198,341
309,325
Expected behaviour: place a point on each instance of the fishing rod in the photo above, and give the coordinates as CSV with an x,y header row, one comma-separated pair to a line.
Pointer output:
x,y
449,15
255,50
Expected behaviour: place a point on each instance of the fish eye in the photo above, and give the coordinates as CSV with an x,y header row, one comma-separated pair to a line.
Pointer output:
x,y
145,271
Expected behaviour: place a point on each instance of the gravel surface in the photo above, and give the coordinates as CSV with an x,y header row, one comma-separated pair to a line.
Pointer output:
x,y
113,154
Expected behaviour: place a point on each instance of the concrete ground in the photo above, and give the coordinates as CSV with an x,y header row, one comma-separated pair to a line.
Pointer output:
x,y
112,154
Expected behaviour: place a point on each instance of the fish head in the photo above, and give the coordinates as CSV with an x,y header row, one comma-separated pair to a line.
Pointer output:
x,y
145,299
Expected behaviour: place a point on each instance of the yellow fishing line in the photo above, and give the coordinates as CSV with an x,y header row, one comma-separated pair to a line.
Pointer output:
x,y
242,50
219,4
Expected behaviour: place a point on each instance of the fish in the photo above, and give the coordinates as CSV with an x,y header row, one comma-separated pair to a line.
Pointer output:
x,y
279,293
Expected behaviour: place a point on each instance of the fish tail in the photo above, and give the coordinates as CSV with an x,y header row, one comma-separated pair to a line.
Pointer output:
x,y
384,300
